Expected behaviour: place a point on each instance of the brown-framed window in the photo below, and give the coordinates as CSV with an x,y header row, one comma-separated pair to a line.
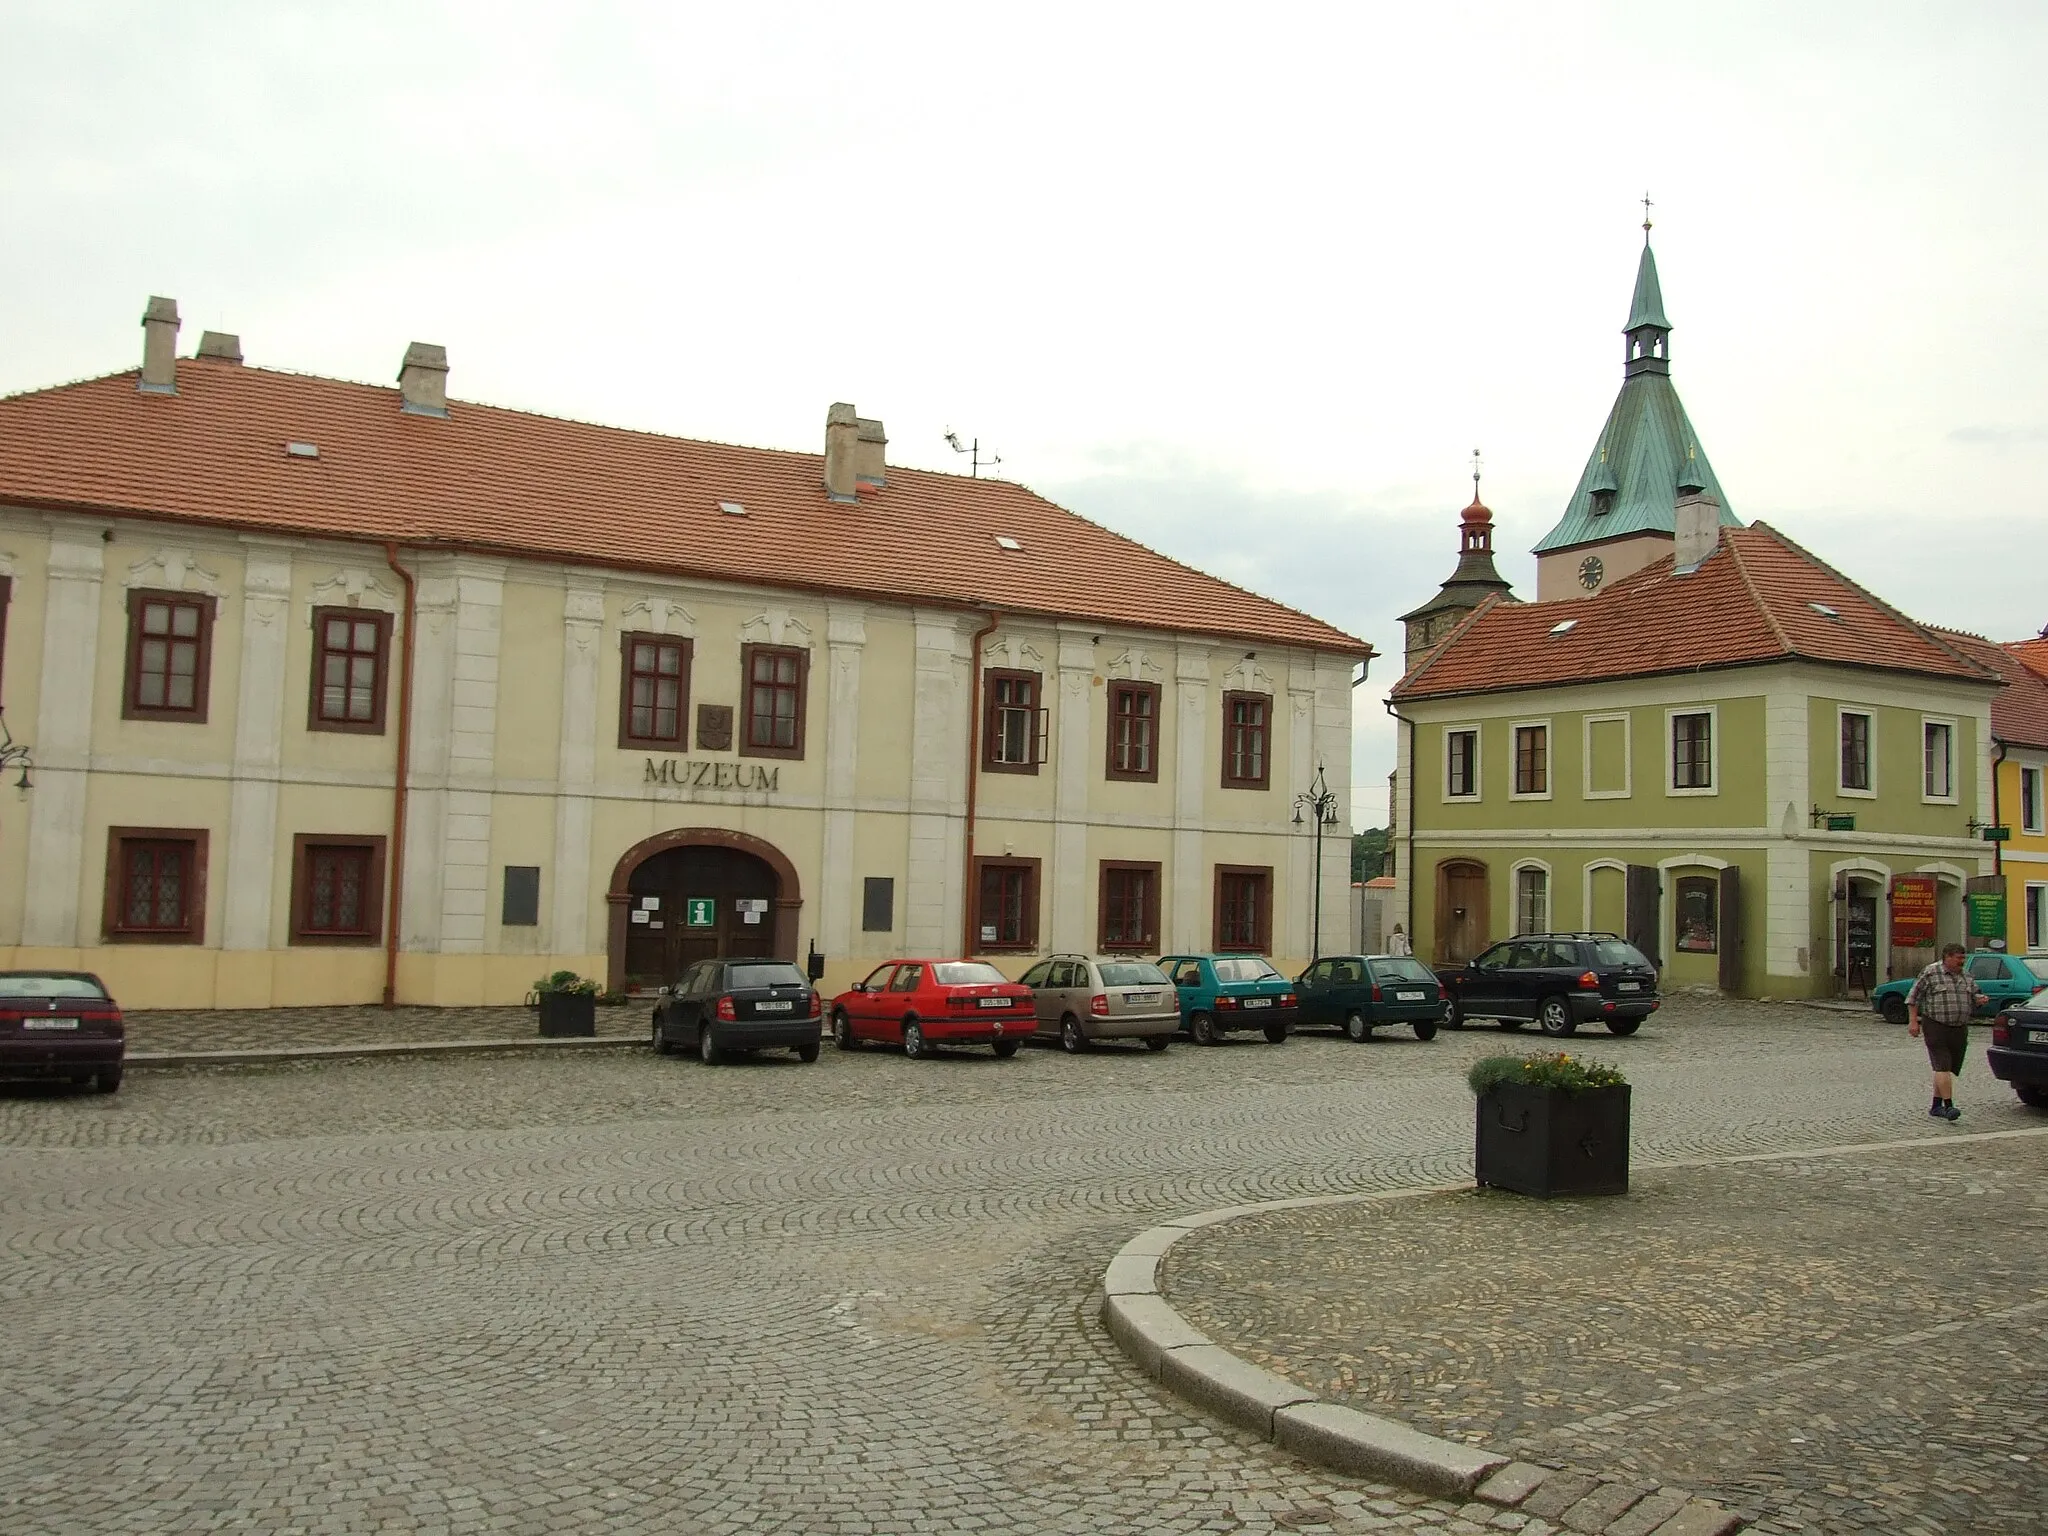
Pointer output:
x,y
1247,740
1855,750
1005,904
654,691
170,653
337,889
1532,759
1244,907
1692,751
775,678
156,886
1128,917
351,658
1134,732
1012,725
1461,764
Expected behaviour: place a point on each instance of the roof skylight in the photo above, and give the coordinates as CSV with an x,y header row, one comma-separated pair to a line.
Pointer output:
x,y
1564,628
302,450
1824,610
732,509
1004,541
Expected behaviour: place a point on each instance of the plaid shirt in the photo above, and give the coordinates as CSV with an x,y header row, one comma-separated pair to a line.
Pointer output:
x,y
1943,998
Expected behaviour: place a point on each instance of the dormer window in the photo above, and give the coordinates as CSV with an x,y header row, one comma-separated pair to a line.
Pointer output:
x,y
1603,502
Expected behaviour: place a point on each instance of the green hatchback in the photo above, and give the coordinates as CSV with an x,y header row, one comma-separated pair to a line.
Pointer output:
x,y
1358,993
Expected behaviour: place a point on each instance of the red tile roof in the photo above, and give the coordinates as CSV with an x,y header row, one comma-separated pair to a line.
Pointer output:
x,y
2019,711
1752,601
2033,652
507,482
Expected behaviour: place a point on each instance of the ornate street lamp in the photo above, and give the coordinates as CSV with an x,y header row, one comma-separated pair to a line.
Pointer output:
x,y
12,752
1320,801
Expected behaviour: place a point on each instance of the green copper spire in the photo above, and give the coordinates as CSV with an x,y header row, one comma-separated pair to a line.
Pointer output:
x,y
1647,307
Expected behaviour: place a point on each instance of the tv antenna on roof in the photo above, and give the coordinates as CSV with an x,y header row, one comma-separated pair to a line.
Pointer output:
x,y
975,461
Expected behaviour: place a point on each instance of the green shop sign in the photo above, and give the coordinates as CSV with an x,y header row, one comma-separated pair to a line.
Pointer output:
x,y
1987,914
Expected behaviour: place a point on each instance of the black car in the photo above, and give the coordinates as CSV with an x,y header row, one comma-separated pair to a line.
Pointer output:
x,y
724,1006
2018,1052
60,1025
1556,980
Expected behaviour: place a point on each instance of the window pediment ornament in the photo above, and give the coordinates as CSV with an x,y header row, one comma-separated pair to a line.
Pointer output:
x,y
775,626
1134,665
662,616
173,570
355,587
1248,677
1013,652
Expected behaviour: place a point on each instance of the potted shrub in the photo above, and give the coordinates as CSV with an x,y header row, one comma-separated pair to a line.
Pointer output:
x,y
567,1003
1551,1124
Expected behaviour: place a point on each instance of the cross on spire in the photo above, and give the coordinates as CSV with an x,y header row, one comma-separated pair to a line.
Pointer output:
x,y
1475,474
1646,218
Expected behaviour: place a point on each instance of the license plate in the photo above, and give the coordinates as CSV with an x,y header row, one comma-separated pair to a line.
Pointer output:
x,y
2037,1037
1258,1002
783,1007
995,1002
1628,986
1141,997
73,1024
1407,997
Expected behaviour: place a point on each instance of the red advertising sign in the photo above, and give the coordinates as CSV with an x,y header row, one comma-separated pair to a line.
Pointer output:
x,y
1913,911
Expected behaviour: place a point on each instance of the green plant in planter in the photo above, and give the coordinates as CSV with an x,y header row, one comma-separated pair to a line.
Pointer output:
x,y
1543,1069
569,983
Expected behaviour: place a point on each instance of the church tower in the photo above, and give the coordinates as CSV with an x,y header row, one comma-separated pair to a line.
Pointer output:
x,y
1622,515
1470,584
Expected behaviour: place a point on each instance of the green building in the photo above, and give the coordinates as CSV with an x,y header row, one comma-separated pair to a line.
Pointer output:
x,y
1727,750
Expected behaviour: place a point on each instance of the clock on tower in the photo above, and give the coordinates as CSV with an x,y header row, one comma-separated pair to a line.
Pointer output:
x,y
1590,572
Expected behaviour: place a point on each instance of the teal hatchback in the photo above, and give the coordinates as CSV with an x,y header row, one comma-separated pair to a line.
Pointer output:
x,y
2008,980
1221,993
1355,993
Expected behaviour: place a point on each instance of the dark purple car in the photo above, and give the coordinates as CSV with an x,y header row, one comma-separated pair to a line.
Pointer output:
x,y
60,1025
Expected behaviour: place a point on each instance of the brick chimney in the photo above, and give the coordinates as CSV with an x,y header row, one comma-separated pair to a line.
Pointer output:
x,y
1697,525
843,453
220,346
423,380
159,348
871,457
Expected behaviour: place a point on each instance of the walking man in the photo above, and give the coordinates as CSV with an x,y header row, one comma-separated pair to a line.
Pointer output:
x,y
1940,1004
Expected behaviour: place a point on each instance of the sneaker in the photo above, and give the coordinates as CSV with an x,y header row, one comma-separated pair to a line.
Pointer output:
x,y
1950,1112
1937,1111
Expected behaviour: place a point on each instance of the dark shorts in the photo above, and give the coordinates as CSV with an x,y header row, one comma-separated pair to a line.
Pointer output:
x,y
1946,1044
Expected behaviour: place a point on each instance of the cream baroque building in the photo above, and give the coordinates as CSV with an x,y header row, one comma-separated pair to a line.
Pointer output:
x,y
656,699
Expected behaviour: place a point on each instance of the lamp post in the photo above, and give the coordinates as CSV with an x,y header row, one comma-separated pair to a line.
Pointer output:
x,y
1320,801
12,751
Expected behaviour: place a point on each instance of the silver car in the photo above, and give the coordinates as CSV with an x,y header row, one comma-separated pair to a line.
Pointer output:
x,y
1082,1000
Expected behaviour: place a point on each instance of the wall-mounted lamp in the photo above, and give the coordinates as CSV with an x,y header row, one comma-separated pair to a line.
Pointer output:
x,y
13,752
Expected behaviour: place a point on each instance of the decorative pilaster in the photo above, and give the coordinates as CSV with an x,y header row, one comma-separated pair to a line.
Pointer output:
x,y
472,756
1069,903
846,635
1195,767
433,682
259,738
63,739
571,879
938,731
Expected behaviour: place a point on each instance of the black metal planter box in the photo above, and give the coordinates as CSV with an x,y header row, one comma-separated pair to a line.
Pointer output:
x,y
568,1013
1545,1141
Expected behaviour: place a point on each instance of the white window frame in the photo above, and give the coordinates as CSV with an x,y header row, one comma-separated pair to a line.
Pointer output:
x,y
1628,755
1927,723
1443,781
1515,872
2038,825
1549,790
1713,784
1869,714
2034,916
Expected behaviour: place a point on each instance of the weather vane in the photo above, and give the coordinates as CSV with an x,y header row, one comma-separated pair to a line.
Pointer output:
x,y
1475,474
975,462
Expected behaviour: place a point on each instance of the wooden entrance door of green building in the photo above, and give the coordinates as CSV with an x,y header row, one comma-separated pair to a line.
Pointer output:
x,y
1463,912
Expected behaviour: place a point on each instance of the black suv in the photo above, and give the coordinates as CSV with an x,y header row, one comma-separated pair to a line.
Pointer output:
x,y
1557,980
722,1006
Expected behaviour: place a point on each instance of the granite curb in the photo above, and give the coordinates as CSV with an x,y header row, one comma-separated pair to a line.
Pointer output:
x,y
258,1054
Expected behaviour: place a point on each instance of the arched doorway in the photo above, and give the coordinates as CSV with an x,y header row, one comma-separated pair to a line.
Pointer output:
x,y
752,887
1463,919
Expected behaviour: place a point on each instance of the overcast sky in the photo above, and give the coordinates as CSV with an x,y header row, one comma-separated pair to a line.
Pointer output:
x,y
1247,283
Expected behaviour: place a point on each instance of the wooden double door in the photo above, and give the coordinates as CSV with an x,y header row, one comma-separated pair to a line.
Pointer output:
x,y
662,942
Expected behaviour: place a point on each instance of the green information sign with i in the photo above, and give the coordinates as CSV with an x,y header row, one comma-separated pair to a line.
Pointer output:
x,y
699,912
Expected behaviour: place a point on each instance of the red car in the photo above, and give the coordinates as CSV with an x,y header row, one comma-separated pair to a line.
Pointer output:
x,y
923,1004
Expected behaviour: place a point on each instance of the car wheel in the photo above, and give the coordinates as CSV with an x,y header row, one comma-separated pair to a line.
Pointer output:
x,y
807,1052
1355,1026
1556,1016
1276,1034
660,1040
1894,1009
1454,1016
106,1080
1007,1048
1203,1027
1072,1040
1158,1042
914,1044
842,1030
707,1046
2033,1095
1424,1030
1623,1026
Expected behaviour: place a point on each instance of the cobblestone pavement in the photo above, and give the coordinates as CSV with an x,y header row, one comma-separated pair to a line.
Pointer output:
x,y
243,1029
616,1291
